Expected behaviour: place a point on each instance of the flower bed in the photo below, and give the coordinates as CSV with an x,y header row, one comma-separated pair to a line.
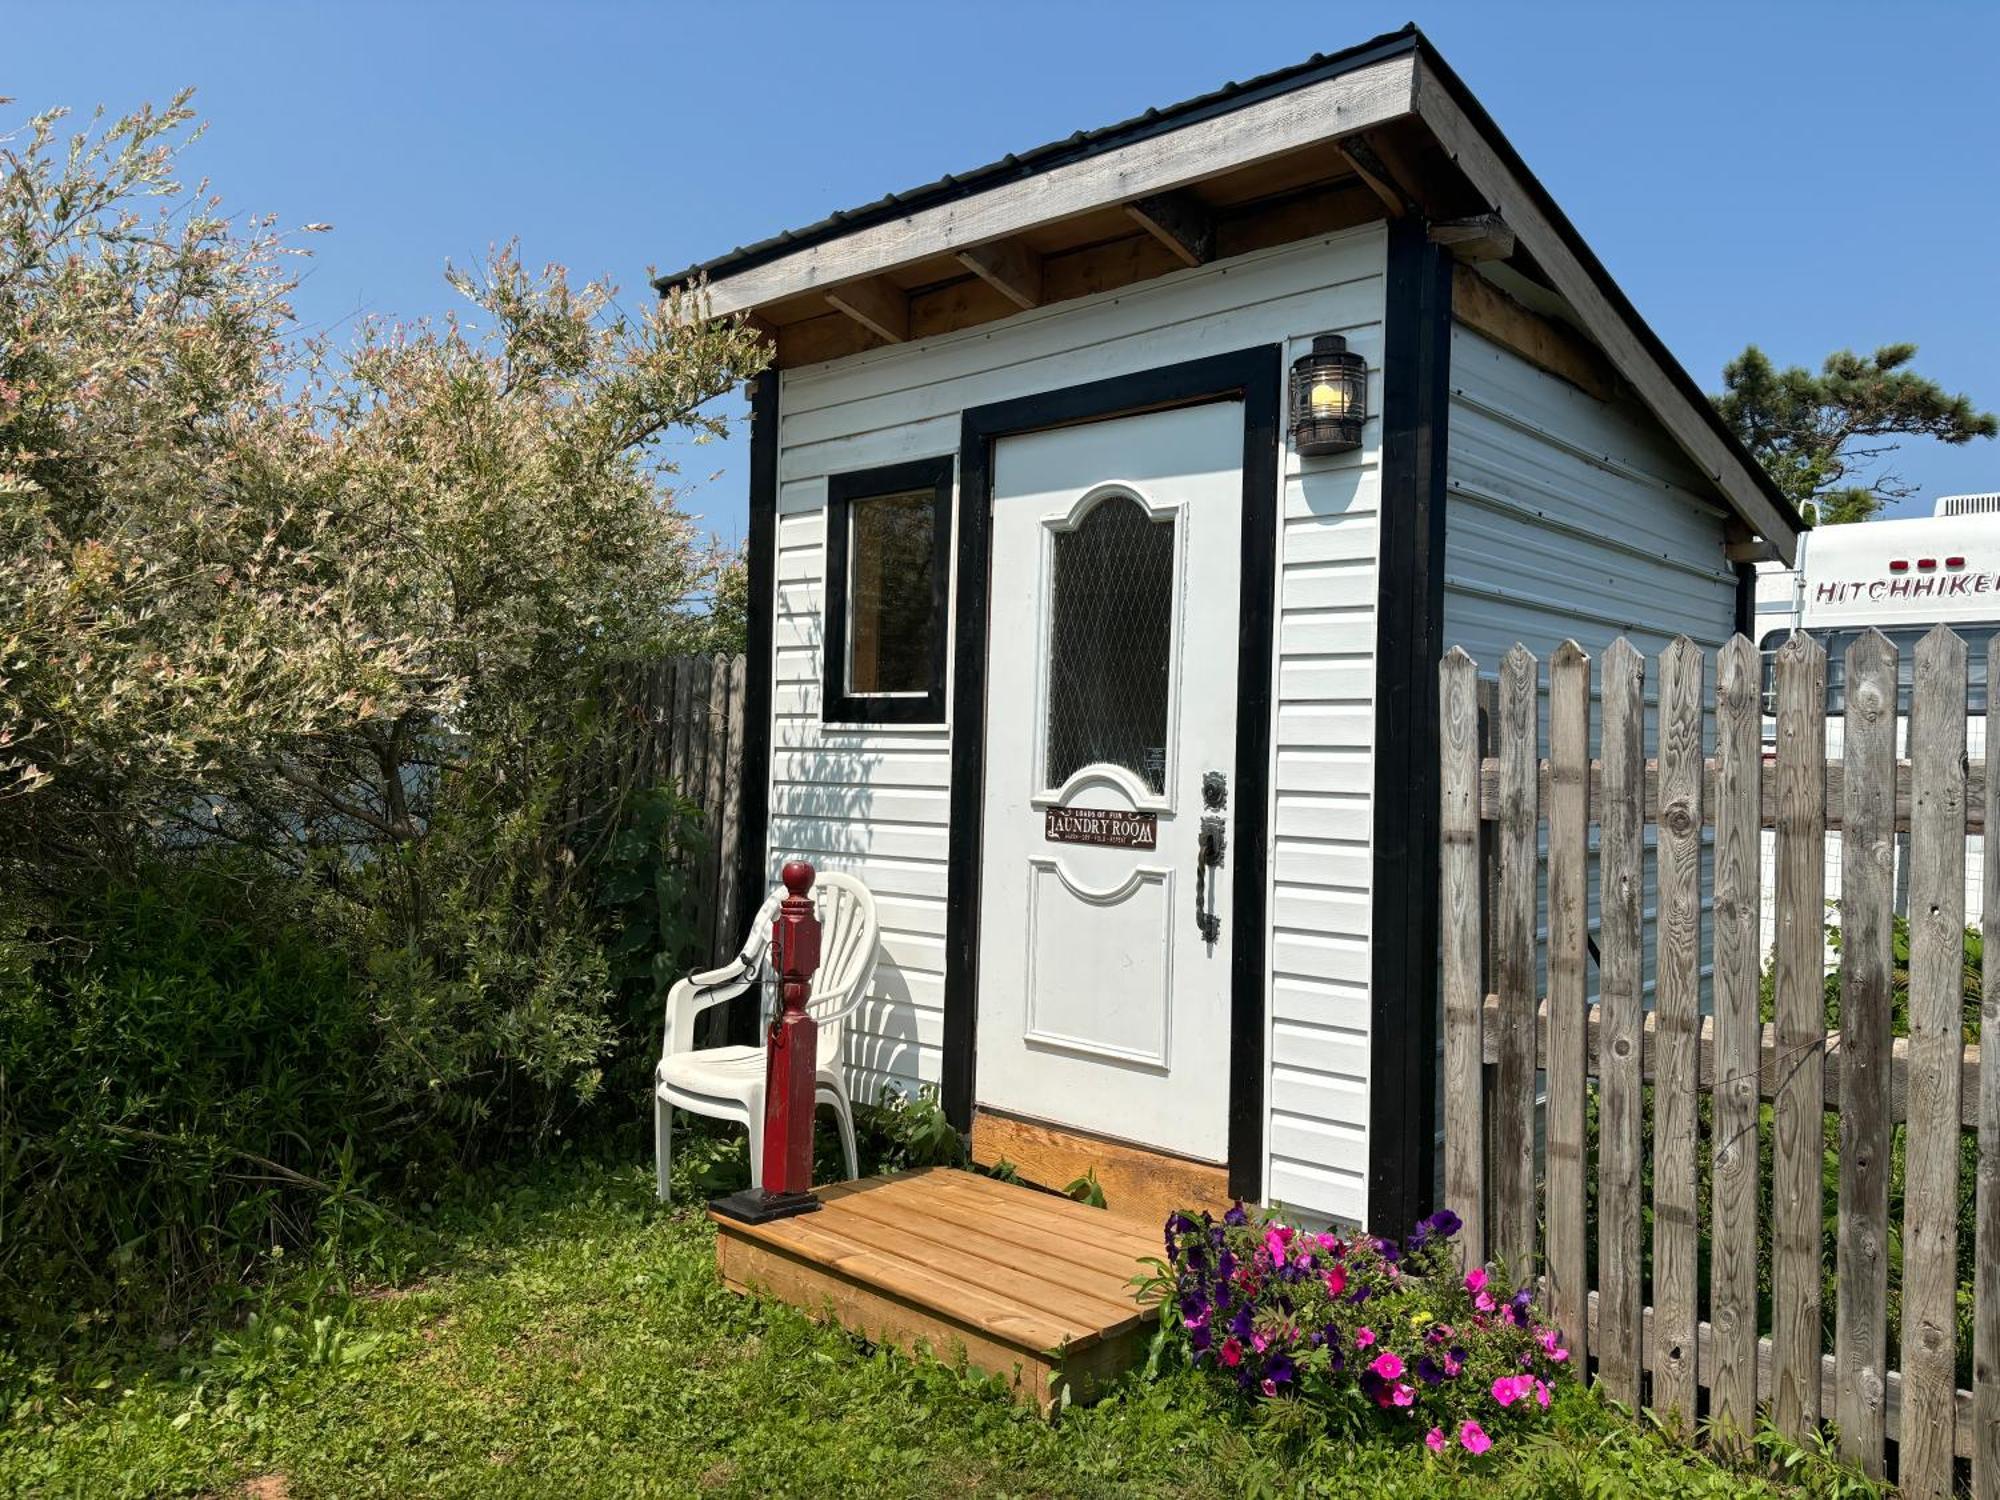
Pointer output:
x,y
1375,1331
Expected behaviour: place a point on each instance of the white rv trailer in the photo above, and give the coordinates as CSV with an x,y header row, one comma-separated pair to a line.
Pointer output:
x,y
1903,578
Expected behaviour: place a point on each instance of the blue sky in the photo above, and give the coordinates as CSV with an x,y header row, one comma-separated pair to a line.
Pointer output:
x,y
1805,175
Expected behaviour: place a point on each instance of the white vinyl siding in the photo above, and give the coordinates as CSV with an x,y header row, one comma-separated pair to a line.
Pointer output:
x,y
1569,517
875,803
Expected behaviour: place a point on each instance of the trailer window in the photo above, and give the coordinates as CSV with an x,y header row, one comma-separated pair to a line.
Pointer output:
x,y
1836,642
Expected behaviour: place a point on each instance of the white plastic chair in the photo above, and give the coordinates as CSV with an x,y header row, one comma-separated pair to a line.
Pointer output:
x,y
727,1083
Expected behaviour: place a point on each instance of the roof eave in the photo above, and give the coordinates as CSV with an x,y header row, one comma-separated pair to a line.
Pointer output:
x,y
1456,118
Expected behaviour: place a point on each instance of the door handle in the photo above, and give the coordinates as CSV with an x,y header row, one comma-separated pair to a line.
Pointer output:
x,y
1211,844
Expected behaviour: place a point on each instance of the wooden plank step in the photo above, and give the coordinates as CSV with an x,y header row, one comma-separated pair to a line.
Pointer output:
x,y
1024,1285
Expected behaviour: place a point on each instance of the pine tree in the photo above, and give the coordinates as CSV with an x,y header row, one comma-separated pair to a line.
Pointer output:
x,y
1815,433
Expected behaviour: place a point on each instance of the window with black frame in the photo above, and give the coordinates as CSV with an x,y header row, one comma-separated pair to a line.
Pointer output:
x,y
888,563
1905,639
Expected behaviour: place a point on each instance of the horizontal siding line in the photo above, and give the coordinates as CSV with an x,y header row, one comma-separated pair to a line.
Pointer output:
x,y
1314,794
1460,395
865,820
871,784
1306,658
1287,700
1458,583
1329,1028
1310,886
1351,1128
1543,521
1307,613
864,861
1315,567
1281,1071
1316,841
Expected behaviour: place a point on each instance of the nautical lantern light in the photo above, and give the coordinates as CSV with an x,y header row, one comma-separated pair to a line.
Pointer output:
x,y
1329,398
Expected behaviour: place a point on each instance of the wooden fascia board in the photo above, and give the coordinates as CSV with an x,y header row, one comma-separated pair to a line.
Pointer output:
x,y
1689,428
1358,100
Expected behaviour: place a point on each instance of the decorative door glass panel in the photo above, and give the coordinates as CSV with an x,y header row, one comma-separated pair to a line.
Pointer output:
x,y
1110,639
889,593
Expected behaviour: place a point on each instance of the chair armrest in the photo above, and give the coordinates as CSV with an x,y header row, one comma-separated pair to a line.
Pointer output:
x,y
738,967
697,993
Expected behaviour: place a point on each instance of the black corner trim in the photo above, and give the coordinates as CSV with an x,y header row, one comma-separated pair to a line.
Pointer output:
x,y
1253,376
837,705
1746,599
755,808
1409,631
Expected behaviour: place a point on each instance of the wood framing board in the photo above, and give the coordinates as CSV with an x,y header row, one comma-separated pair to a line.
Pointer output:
x,y
1034,1289
1140,1186
1337,106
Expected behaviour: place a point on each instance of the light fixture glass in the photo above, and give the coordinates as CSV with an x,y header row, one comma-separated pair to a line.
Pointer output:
x,y
1329,398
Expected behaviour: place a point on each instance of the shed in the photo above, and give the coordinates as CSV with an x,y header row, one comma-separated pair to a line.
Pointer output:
x,y
1123,705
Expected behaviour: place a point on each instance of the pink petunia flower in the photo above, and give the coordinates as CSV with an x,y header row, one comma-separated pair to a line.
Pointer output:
x,y
1363,1337
1231,1352
1472,1437
1435,1440
1507,1389
1259,1342
1484,1302
1270,1387
1542,1394
1404,1394
1388,1364
1475,1279
1336,1281
1327,1242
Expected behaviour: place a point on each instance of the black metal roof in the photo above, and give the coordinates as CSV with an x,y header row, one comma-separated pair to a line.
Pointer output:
x,y
1233,96
1084,144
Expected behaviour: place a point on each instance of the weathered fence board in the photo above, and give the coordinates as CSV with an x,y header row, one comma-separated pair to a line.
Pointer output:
x,y
1462,890
1569,1005
1621,1120
1736,1071
1677,1011
1911,1096
1799,1007
1867,895
1986,1242
1937,960
1513,1229
678,723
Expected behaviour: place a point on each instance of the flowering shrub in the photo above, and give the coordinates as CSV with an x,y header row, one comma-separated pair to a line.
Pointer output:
x,y
1377,1331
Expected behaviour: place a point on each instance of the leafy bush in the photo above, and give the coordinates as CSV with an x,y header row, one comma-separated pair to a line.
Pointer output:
x,y
1372,1333
322,868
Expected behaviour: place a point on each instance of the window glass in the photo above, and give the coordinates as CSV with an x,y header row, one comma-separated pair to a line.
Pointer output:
x,y
1111,630
1905,640
889,592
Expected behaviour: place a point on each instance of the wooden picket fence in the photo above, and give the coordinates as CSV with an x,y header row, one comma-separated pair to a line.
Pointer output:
x,y
679,723
1512,1056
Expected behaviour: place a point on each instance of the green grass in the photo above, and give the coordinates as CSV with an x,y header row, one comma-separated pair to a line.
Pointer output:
x,y
556,1333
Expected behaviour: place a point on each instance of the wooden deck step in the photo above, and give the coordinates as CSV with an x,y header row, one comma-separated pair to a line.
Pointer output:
x,y
1030,1287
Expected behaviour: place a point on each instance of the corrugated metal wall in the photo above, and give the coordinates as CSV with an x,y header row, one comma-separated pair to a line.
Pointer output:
x,y
1569,517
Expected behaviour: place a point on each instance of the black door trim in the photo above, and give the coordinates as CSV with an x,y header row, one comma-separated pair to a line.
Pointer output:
x,y
1409,634
761,586
1253,376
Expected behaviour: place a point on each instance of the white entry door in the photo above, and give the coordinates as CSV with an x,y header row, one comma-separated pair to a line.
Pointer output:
x,y
1105,931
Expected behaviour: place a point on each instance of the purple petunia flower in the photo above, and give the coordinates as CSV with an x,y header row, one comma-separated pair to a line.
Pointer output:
x,y
1429,1371
1236,1216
